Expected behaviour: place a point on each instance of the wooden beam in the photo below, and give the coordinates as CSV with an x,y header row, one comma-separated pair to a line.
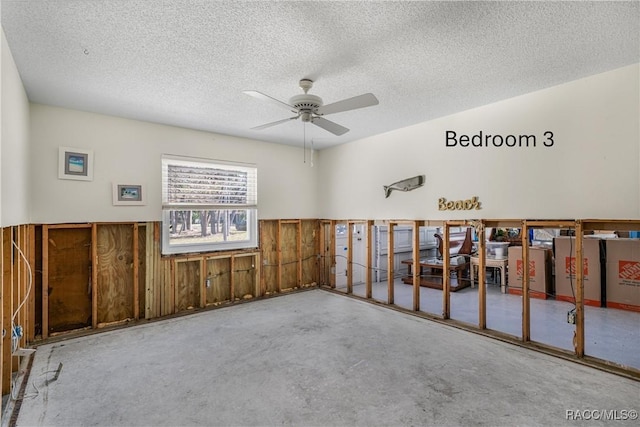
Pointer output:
x,y
482,273
174,297
279,256
2,322
502,223
579,337
203,282
299,251
31,332
94,276
45,283
446,276
232,275
18,284
390,262
416,266
55,226
349,258
550,224
257,262
136,267
526,325
332,254
619,225
322,245
368,277
7,251
150,275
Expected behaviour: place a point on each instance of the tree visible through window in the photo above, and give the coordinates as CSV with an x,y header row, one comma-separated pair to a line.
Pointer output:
x,y
208,205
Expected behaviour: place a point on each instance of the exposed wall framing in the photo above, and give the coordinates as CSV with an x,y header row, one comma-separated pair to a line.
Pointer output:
x,y
327,274
269,244
17,298
92,275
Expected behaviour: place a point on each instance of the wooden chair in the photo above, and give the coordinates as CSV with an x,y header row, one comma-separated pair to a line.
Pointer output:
x,y
460,243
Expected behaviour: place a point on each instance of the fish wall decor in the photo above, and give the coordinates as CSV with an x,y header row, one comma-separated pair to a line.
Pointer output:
x,y
404,185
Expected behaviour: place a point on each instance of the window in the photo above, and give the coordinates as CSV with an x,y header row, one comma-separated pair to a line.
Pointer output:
x,y
208,205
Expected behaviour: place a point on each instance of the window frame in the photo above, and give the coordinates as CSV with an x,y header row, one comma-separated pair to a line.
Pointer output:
x,y
168,248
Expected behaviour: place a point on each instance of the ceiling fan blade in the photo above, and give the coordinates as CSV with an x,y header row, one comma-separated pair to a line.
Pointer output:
x,y
264,97
268,125
360,101
329,126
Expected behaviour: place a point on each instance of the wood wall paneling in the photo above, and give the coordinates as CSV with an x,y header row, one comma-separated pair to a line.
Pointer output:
x,y
218,275
289,255
68,285
187,284
244,276
269,250
309,250
115,286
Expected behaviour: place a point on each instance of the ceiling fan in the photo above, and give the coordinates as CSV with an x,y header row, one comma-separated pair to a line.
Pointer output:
x,y
310,108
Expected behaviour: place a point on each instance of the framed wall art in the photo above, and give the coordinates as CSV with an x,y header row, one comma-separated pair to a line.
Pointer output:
x,y
75,163
128,194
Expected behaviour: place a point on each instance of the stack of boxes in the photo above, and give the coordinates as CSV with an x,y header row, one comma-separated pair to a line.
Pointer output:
x,y
610,267
565,269
539,271
623,274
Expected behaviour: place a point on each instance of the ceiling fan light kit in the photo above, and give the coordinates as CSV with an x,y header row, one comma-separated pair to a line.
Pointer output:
x,y
310,108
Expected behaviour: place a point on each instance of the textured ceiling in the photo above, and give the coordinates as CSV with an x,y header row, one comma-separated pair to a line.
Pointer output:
x,y
186,63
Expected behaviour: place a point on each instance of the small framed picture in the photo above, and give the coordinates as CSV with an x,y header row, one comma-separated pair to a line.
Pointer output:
x,y
75,163
128,194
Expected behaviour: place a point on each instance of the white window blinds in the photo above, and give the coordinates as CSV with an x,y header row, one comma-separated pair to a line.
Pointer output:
x,y
201,184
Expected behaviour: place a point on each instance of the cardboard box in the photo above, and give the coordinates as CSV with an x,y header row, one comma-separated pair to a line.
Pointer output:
x,y
539,271
623,274
565,265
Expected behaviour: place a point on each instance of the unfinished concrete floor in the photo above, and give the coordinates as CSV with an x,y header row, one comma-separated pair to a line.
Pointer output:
x,y
610,334
308,359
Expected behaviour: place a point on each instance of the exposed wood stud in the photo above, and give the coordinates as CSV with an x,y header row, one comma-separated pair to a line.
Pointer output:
x,y
299,252
350,226
416,263
369,275
279,257
7,252
45,283
482,287
232,277
446,275
332,254
174,297
31,308
94,275
390,261
579,338
2,293
150,277
526,326
136,264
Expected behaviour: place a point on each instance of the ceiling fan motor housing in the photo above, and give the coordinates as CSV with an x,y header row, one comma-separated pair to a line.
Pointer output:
x,y
306,105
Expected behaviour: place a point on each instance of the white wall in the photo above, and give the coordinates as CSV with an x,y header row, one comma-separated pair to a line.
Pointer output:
x,y
129,152
14,143
592,171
